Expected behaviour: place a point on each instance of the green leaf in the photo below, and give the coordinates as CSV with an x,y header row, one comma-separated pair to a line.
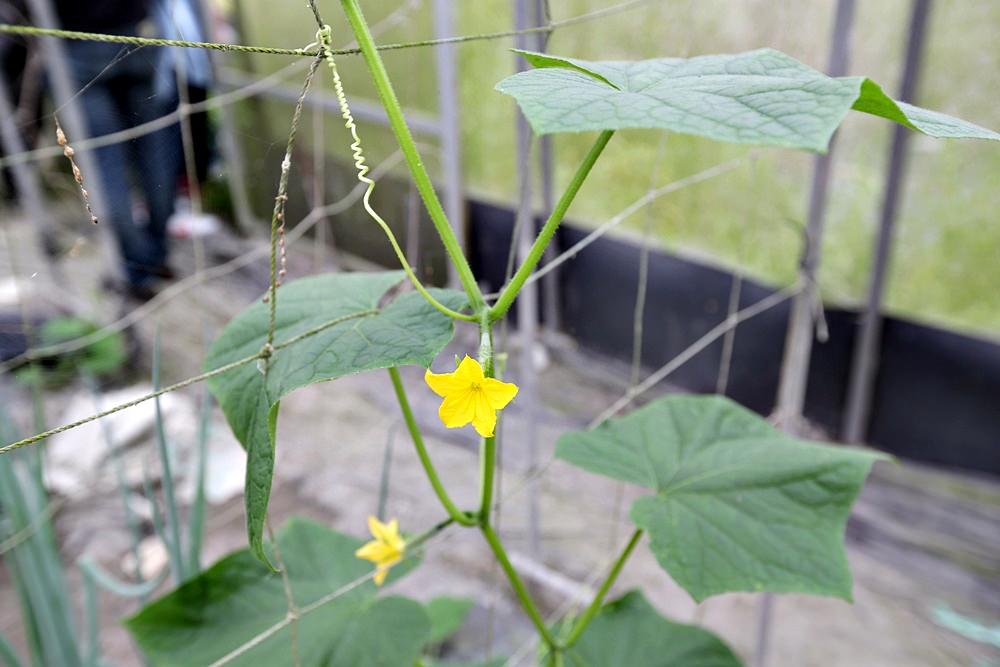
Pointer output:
x,y
239,597
737,505
759,97
629,631
366,336
447,615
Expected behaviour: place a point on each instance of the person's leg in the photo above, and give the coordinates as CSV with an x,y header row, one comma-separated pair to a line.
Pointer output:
x,y
202,135
104,116
158,156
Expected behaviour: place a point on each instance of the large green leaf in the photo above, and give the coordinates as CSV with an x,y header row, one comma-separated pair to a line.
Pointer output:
x,y
447,615
406,331
238,598
629,631
759,97
737,505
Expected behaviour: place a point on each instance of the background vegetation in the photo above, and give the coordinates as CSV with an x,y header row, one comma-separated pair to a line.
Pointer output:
x,y
947,257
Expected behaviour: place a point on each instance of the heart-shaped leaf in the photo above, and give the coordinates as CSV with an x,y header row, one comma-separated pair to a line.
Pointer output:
x,y
346,331
737,505
760,97
239,598
629,631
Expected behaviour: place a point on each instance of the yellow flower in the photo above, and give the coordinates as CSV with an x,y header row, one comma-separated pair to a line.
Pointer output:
x,y
385,550
470,396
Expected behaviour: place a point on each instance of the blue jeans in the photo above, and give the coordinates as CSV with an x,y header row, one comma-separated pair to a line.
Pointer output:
x,y
117,98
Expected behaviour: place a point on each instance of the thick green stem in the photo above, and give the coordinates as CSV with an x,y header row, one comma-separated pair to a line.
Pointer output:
x,y
488,448
420,177
595,605
512,289
488,462
456,514
515,581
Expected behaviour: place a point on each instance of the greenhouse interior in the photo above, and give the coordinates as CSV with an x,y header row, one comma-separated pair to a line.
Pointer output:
x,y
481,333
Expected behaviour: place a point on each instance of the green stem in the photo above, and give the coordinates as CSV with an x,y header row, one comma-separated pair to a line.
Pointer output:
x,y
488,462
595,605
515,581
460,517
420,539
488,448
420,177
487,459
510,292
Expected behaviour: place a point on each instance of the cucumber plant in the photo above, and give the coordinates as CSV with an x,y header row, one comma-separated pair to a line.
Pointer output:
x,y
730,503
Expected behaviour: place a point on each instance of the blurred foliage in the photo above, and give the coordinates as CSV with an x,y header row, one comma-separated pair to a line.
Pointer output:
x,y
102,358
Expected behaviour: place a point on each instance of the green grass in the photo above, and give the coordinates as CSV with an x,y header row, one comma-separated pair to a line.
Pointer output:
x,y
946,264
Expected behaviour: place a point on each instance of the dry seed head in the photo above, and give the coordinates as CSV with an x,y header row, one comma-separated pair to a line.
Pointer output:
x,y
77,175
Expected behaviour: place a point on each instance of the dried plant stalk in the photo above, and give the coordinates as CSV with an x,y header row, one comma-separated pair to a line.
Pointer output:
x,y
77,175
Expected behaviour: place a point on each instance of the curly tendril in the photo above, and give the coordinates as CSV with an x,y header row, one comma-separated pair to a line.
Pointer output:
x,y
324,39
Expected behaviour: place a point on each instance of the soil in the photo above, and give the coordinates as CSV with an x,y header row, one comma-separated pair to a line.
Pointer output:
x,y
921,540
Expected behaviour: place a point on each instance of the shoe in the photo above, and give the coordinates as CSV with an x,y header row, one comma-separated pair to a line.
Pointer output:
x,y
164,272
142,293
138,291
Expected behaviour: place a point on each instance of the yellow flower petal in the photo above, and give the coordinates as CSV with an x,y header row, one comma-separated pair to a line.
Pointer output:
x,y
499,393
486,426
469,396
385,550
381,531
443,384
458,409
374,551
469,371
486,417
395,541
482,406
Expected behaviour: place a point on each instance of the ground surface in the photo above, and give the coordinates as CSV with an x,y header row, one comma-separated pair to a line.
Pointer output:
x,y
920,541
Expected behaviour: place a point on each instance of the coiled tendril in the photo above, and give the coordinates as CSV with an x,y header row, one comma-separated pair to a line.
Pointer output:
x,y
324,39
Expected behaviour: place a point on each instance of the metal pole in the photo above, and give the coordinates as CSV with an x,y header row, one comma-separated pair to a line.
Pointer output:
x,y
864,365
451,129
527,300
25,175
798,345
231,152
550,283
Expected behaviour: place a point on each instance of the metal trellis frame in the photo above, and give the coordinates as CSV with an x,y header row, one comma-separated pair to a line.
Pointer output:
x,y
864,365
